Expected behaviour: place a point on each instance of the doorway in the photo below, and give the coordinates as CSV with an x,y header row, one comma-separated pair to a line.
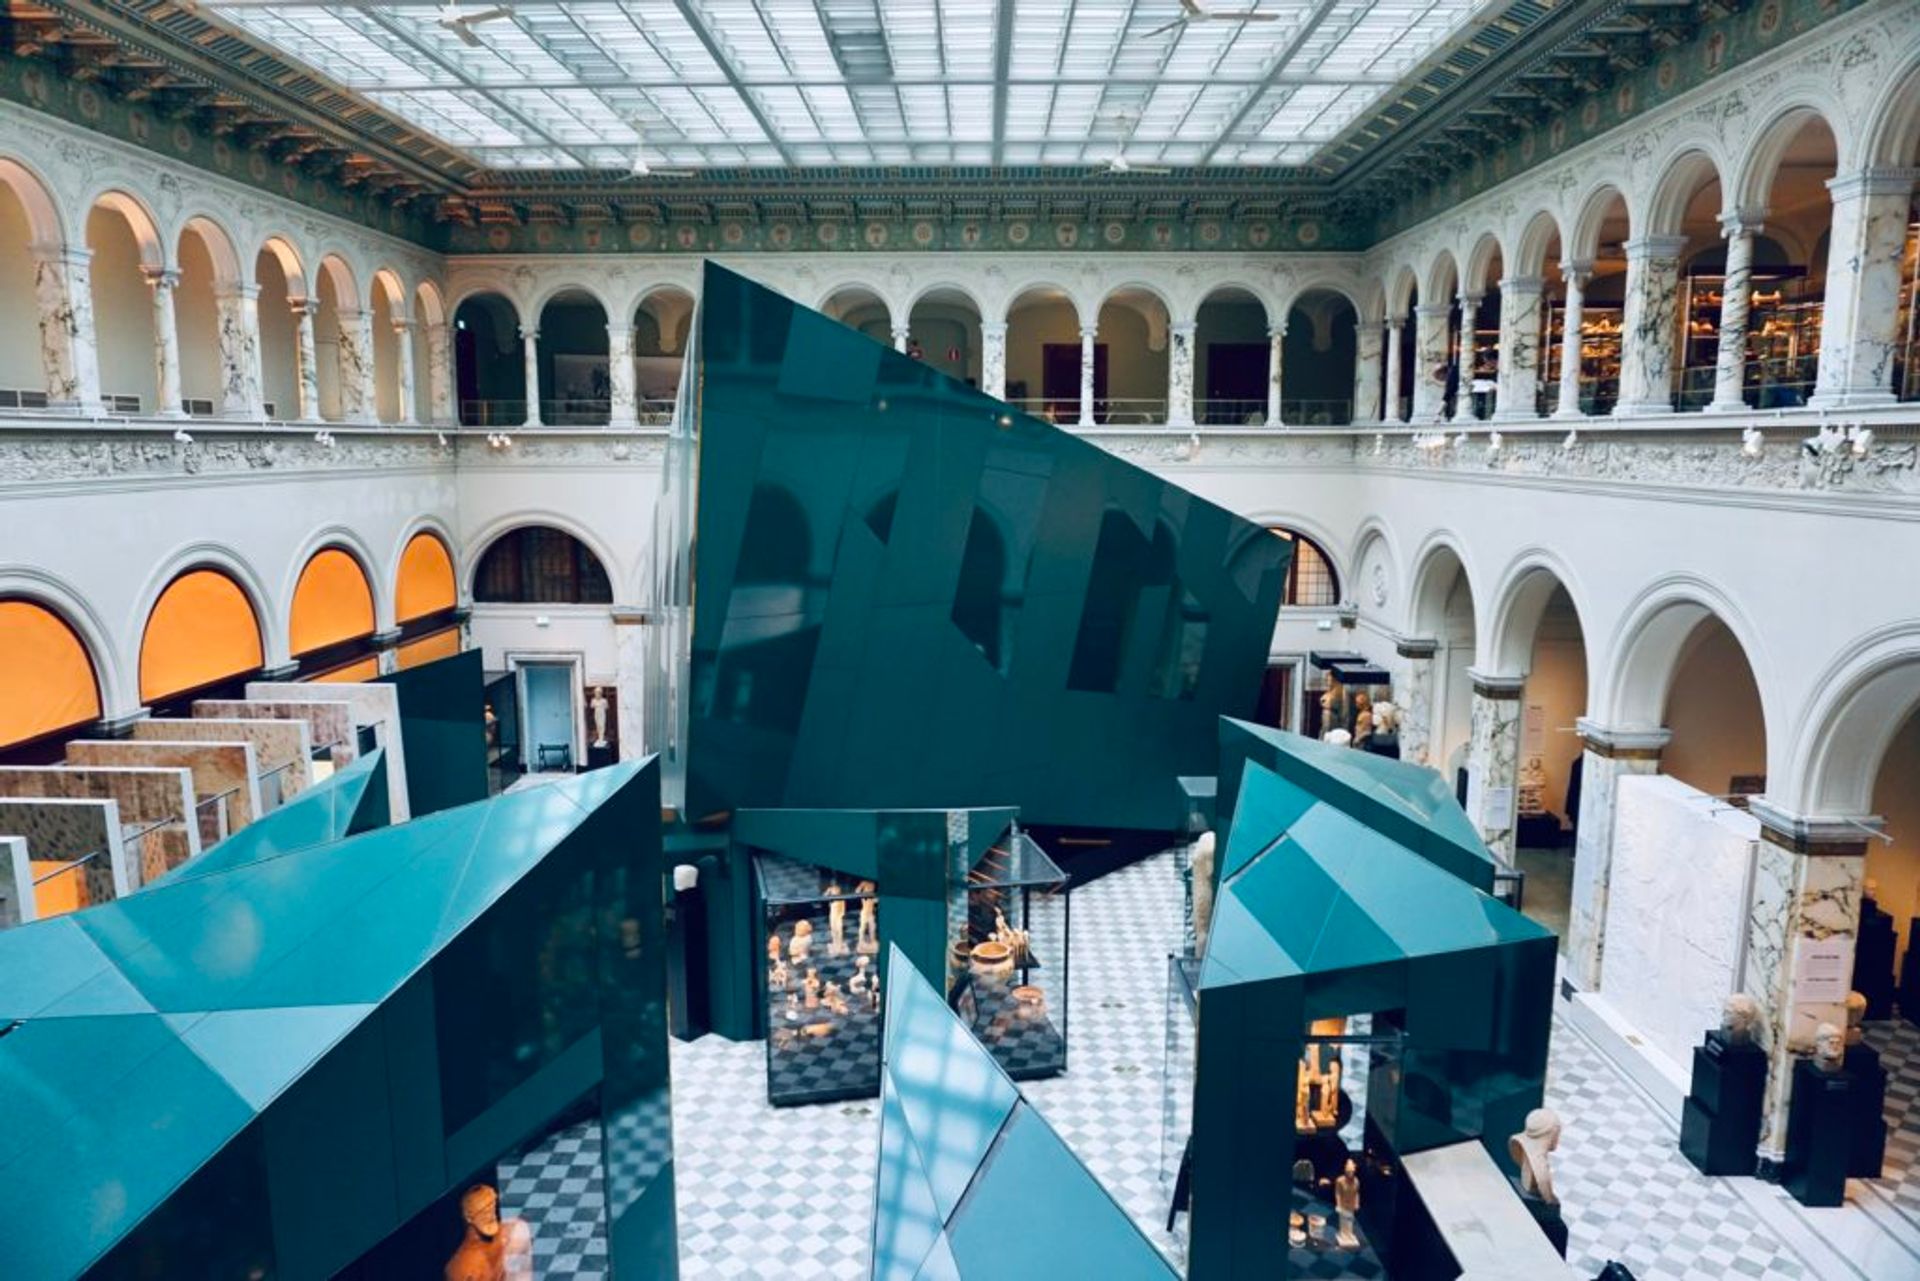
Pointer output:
x,y
1236,390
1060,380
549,729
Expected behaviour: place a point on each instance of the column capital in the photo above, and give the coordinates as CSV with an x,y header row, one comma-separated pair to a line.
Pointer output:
x,y
1522,284
389,639
1819,835
1628,743
235,289
161,277
402,324
1416,647
301,306
1742,222
903,330
1277,331
64,254
117,726
1577,269
1433,310
352,315
280,671
617,330
1645,248
1887,180
1089,332
1471,302
1185,328
1490,685
529,335
993,329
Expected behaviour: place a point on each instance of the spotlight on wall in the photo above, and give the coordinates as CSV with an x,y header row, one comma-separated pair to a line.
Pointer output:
x,y
1752,442
181,436
1572,440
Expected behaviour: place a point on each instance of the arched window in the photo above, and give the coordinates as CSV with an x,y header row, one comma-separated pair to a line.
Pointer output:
x,y
537,564
47,681
424,586
202,631
1310,576
332,603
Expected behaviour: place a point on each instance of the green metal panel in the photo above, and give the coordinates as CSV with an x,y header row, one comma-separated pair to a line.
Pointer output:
x,y
443,723
352,800
910,594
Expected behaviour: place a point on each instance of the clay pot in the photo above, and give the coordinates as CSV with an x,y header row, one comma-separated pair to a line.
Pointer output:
x,y
1029,1002
991,962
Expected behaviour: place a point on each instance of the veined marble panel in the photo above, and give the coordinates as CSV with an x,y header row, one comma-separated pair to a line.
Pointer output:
x,y
331,722
16,882
282,749
1676,910
1493,766
1416,711
147,795
1593,862
228,770
368,703
65,829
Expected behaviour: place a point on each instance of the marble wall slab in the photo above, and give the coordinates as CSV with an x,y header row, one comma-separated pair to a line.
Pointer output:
x,y
229,770
281,749
368,703
1676,910
331,723
146,795
63,829
16,882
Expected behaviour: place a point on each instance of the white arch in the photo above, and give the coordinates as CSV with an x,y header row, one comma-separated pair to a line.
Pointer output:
x,y
1441,555
1687,171
554,291
425,524
46,225
487,289
617,570
1539,231
428,297
1593,209
146,228
1890,135
1434,291
29,582
1520,600
269,614
1857,706
343,539
1372,532
1480,262
291,264
1767,145
1400,292
1646,646
221,248
1048,285
944,285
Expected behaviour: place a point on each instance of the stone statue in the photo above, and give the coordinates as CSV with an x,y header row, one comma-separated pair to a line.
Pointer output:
x,y
1202,868
832,997
1531,1150
801,943
599,708
1740,1018
1302,1118
1829,1048
493,1249
1346,1204
868,939
774,950
1333,705
811,987
858,983
777,976
1327,1115
1386,718
1362,720
1856,1015
836,921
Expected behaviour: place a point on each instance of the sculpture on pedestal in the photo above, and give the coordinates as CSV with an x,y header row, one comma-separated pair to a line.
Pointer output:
x,y
868,939
1532,1150
599,708
836,922
1829,1048
1739,1019
1346,1204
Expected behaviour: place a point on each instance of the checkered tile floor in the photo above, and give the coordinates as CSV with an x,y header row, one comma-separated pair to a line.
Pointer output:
x,y
787,1192
1899,1044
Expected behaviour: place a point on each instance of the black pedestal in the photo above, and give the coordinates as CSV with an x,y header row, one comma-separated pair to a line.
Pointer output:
x,y
599,754
1547,1215
1720,1120
1819,1135
1873,959
1910,975
1868,1150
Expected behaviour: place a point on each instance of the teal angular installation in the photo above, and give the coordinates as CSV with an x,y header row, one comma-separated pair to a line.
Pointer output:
x,y
274,1066
972,1181
907,594
1317,915
353,800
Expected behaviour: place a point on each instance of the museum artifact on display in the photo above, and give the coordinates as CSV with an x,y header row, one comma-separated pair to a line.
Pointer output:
x,y
1721,1118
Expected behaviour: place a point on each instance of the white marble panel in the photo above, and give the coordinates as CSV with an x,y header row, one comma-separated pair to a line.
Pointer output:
x,y
368,703
1593,862
1676,910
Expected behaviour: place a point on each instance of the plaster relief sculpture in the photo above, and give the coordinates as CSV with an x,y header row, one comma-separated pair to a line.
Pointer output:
x,y
1532,1150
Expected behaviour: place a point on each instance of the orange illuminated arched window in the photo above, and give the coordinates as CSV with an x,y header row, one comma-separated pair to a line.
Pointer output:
x,y
332,602
429,648
425,584
46,675
201,630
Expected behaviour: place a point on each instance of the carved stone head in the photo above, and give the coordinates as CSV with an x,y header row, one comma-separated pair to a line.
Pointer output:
x,y
480,1208
1829,1047
1739,1018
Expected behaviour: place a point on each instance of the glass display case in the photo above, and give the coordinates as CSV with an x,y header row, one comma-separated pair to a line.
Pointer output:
x,y
1342,692
1600,330
820,978
1906,352
1783,338
1010,968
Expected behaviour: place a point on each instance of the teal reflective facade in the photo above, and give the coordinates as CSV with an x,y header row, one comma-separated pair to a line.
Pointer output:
x,y
263,1071
443,721
906,593
351,801
1318,914
972,1181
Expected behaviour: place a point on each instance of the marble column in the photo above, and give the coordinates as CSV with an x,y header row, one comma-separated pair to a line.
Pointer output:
x,y
530,345
166,341
237,309
440,384
1610,754
1493,760
625,407
357,401
1519,368
306,361
993,358
631,674
1430,361
69,351
1180,374
1396,326
1414,698
1276,346
901,333
1574,275
1087,334
1808,878
1463,360
1367,374
1736,293
403,343
1649,325
386,650
1859,329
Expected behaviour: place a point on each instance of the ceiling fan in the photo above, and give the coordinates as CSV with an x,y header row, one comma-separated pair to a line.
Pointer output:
x,y
462,22
1121,165
1190,11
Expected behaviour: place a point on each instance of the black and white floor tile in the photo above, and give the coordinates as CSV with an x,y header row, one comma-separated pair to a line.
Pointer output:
x,y
787,1192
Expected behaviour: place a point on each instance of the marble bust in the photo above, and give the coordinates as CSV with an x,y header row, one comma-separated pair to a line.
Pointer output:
x,y
1739,1019
1856,1016
1531,1150
1829,1048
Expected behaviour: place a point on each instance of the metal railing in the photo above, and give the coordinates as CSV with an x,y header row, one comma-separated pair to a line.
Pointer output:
x,y
70,887
154,850
507,415
273,787
1509,886
214,815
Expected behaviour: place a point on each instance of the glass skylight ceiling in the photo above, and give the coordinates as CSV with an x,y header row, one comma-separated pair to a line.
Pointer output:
x,y
719,83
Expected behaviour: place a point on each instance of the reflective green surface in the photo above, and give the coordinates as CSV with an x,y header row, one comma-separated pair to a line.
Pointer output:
x,y
972,1181
353,800
263,1070
909,594
1410,803
1318,914
442,720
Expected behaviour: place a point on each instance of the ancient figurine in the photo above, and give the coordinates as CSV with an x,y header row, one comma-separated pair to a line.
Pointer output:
x,y
868,940
1014,940
1302,1118
858,983
1739,1018
1362,720
801,943
793,1007
1829,1048
1327,1114
1531,1150
811,987
774,950
777,976
1856,1016
493,1249
1202,865
1296,1229
832,997
599,708
873,993
1346,1204
836,922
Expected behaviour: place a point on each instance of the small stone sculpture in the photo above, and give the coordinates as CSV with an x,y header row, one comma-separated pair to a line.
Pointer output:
x,y
836,922
1829,1048
493,1249
1739,1018
599,707
1327,1114
777,976
1362,720
868,940
1302,1118
811,987
1346,1204
774,950
1856,1015
858,983
1202,866
832,997
1531,1150
801,943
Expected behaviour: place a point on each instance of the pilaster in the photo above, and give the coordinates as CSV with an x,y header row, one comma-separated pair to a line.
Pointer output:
x,y
1648,323
237,308
1414,697
69,350
1610,754
1519,369
993,359
1180,374
1859,327
625,408
1493,760
1430,361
